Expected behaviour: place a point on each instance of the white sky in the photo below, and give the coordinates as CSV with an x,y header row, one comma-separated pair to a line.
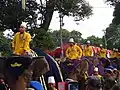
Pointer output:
x,y
101,18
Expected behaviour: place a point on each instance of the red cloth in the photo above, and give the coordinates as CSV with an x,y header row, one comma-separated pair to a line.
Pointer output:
x,y
96,49
108,51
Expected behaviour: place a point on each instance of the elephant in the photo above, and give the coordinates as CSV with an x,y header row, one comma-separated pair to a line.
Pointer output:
x,y
54,71
39,66
76,70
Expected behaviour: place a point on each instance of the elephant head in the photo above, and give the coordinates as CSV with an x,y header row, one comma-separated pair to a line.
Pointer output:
x,y
40,66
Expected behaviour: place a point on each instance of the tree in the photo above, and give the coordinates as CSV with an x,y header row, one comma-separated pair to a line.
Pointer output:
x,y
66,35
112,2
4,45
76,35
116,13
11,13
95,40
56,36
113,35
43,40
76,8
112,32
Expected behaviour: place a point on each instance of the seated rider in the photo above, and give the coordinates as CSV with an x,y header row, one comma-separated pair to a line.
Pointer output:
x,y
113,54
21,40
73,52
117,53
87,51
102,53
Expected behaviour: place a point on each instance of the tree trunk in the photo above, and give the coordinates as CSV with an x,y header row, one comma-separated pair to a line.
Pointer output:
x,y
49,13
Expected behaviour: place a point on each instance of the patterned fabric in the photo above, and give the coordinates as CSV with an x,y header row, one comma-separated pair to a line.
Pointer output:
x,y
102,53
17,65
73,52
69,66
87,51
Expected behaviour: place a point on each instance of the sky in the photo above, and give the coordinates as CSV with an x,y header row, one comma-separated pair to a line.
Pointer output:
x,y
100,20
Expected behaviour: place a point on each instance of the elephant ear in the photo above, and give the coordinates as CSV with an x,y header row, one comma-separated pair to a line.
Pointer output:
x,y
95,62
84,65
2,65
40,66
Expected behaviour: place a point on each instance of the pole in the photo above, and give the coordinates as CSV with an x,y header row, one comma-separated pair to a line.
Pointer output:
x,y
23,4
105,39
61,37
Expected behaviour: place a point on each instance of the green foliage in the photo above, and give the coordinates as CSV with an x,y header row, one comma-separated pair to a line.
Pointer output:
x,y
116,13
11,13
5,45
66,35
76,8
76,35
113,31
43,40
56,36
112,2
113,36
95,40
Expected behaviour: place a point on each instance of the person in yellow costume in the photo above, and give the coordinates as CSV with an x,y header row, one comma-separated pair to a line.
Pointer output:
x,y
117,54
113,53
21,40
96,73
102,53
73,52
88,51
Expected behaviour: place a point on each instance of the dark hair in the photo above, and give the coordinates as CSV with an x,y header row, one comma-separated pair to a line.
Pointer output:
x,y
95,82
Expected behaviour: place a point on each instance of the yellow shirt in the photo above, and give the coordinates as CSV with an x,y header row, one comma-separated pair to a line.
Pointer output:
x,y
117,55
102,53
73,52
113,54
85,75
87,51
99,76
21,42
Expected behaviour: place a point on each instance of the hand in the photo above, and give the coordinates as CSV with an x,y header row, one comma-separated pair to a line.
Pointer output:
x,y
13,49
25,53
78,57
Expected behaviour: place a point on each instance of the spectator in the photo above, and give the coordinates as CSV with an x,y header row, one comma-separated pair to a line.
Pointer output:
x,y
36,85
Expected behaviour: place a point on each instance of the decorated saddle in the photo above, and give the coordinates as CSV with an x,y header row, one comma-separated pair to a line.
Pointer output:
x,y
69,65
